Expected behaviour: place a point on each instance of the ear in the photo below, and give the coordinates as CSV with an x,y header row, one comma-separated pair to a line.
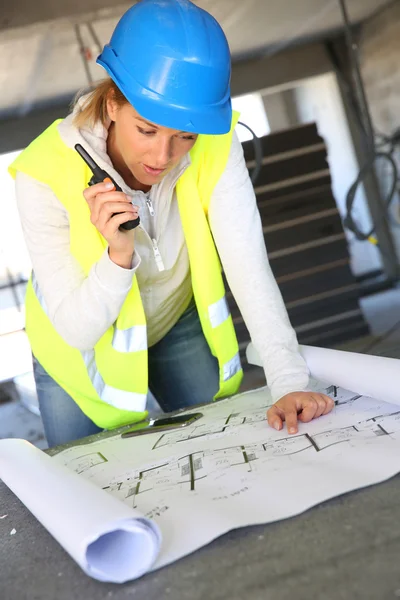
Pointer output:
x,y
112,106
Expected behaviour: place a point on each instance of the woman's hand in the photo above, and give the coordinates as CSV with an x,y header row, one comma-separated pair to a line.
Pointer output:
x,y
298,406
108,210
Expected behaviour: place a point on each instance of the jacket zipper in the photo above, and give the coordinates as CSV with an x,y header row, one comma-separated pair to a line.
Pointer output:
x,y
150,206
156,251
157,256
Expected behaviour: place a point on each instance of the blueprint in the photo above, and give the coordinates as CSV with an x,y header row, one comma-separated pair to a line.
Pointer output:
x,y
124,506
230,469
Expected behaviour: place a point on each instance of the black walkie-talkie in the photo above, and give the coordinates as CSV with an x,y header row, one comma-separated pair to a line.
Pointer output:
x,y
99,175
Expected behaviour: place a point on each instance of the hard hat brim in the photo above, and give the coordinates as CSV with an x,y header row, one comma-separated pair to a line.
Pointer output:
x,y
212,119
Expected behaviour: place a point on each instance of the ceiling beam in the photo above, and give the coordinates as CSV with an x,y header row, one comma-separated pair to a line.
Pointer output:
x,y
280,70
19,13
263,74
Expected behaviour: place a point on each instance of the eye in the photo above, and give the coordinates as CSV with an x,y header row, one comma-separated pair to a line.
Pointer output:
x,y
145,131
188,137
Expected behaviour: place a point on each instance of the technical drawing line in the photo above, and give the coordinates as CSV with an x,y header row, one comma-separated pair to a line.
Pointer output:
x,y
313,442
191,472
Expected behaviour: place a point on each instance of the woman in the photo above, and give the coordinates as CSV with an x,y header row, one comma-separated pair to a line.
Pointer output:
x,y
110,311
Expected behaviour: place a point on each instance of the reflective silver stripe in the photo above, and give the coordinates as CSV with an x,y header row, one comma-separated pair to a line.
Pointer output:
x,y
111,395
130,340
38,293
118,398
218,312
232,367
124,400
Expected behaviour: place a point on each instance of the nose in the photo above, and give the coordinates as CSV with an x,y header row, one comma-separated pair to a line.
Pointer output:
x,y
162,153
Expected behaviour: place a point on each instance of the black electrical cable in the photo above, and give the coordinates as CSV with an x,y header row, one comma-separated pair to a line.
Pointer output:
x,y
348,220
384,141
258,156
374,148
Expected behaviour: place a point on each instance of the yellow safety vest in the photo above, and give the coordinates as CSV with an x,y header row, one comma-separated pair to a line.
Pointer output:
x,y
110,382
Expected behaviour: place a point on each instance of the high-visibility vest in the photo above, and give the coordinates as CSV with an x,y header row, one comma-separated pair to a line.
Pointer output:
x,y
110,382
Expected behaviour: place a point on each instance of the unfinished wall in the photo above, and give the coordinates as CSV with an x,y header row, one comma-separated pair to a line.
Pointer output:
x,y
379,46
281,110
318,100
380,60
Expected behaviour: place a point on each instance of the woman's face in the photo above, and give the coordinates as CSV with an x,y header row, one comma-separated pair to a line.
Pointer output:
x,y
147,150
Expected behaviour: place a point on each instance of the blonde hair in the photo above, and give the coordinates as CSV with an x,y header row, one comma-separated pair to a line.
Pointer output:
x,y
95,106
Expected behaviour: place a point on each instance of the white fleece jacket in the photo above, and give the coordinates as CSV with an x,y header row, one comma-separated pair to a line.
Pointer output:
x,y
82,308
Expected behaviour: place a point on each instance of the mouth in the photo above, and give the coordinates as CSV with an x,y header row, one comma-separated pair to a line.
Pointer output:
x,y
153,172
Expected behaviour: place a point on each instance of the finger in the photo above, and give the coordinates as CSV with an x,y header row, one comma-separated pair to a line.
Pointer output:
x,y
321,405
117,198
274,418
325,404
92,191
329,404
117,207
106,216
309,410
97,201
114,197
109,209
291,420
115,222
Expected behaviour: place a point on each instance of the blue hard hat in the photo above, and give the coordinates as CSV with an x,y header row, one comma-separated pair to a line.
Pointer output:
x,y
171,61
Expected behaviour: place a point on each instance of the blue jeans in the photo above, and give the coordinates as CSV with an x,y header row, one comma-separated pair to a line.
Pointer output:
x,y
182,372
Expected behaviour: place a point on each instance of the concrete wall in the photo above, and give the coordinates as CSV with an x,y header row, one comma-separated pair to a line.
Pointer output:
x,y
379,50
281,110
278,72
17,133
319,100
380,61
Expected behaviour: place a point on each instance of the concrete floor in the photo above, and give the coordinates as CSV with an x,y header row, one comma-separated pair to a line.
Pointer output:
x,y
20,416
